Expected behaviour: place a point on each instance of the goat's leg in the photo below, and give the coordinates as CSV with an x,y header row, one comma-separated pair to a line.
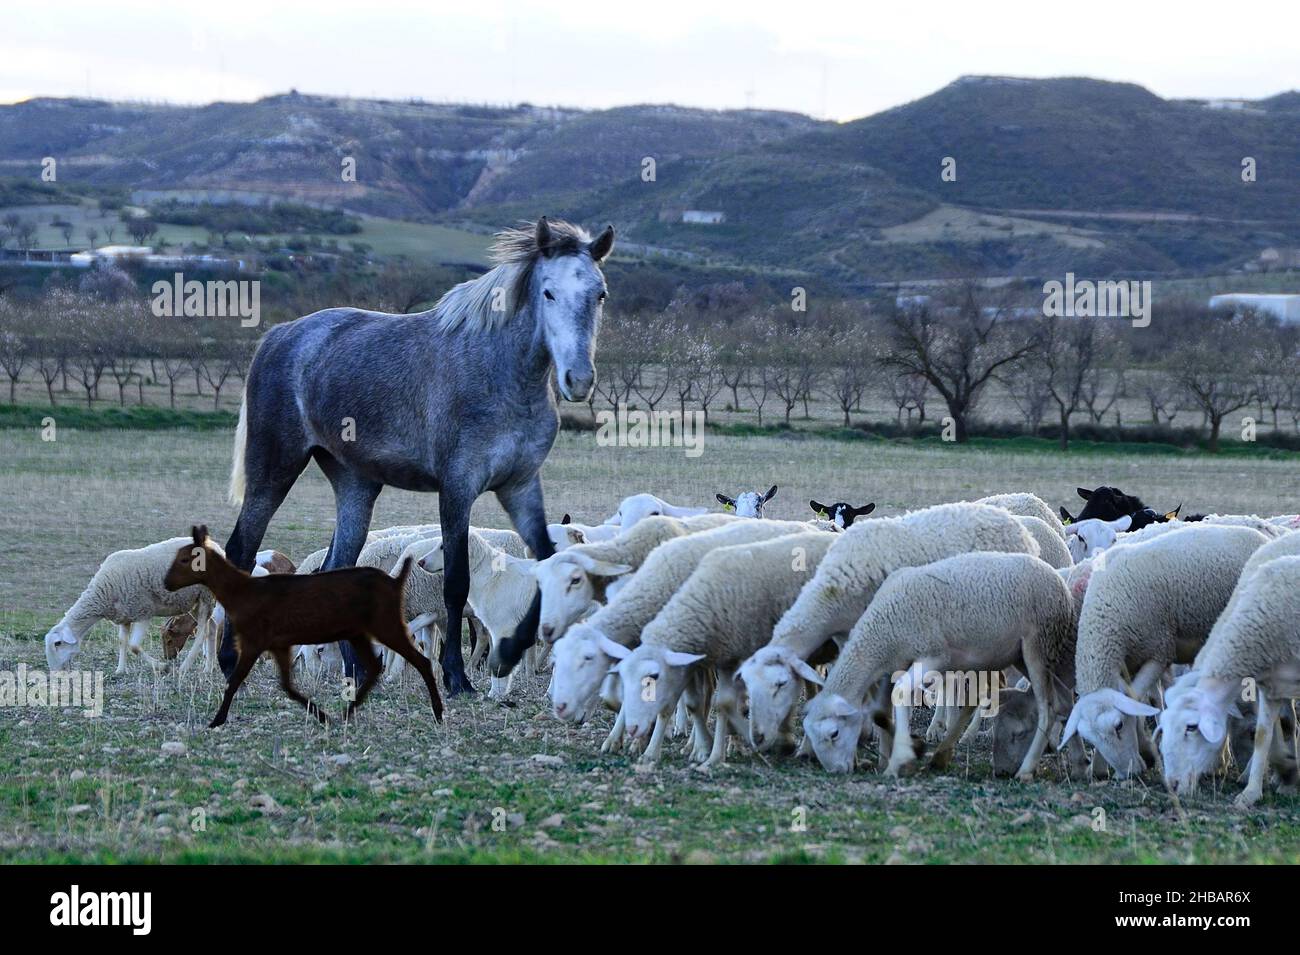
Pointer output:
x,y
395,637
524,503
283,661
243,666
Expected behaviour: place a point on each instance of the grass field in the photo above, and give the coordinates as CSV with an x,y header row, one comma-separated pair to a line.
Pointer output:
x,y
396,786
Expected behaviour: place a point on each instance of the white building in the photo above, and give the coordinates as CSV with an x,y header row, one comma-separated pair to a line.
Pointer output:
x,y
703,217
1285,308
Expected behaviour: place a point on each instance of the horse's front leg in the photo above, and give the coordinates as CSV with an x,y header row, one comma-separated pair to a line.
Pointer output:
x,y
453,513
354,503
523,502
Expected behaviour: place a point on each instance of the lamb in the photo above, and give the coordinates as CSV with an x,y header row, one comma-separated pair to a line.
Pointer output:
x,y
1051,547
841,514
747,503
721,615
858,563
275,612
980,611
1088,538
585,653
1023,504
128,591
570,581
501,589
1254,643
636,507
1148,605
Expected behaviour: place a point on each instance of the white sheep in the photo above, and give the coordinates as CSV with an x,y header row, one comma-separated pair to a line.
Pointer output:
x,y
636,507
857,564
1089,537
126,590
1052,548
585,653
1255,643
501,590
571,580
1147,606
972,612
1023,504
1264,525
723,612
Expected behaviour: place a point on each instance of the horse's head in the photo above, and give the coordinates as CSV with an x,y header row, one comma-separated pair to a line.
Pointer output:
x,y
567,293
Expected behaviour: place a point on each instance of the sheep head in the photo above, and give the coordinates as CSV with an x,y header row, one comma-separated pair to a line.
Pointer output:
x,y
747,503
61,647
833,726
565,583
771,678
1107,719
581,660
1192,729
653,678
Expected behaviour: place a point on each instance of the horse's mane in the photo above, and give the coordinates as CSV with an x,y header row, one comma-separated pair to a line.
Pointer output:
x,y
514,253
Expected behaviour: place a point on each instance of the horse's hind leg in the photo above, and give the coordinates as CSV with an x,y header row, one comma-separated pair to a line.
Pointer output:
x,y
261,499
354,502
453,514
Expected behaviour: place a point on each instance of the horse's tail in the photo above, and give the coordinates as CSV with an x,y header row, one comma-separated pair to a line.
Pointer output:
x,y
236,492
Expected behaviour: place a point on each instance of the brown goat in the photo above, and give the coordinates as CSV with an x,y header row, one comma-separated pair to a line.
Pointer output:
x,y
177,630
273,613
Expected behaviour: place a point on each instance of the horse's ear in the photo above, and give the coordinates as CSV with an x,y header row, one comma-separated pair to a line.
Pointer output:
x,y
200,533
603,244
543,234
566,519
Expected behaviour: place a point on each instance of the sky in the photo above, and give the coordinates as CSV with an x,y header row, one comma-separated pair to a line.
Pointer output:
x,y
833,60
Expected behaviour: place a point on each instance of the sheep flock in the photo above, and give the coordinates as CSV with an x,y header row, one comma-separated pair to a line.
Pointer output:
x,y
1119,642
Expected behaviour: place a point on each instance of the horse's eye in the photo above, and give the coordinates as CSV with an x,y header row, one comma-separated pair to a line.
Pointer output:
x,y
602,296
549,296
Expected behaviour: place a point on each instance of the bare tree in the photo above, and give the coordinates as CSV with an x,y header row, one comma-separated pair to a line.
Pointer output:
x,y
1214,371
15,345
907,392
958,347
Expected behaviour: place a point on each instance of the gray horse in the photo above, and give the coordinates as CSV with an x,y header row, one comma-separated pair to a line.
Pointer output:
x,y
456,400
